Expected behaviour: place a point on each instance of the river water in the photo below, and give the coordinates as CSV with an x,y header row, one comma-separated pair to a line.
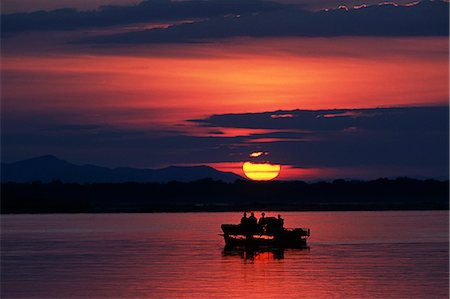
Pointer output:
x,y
351,255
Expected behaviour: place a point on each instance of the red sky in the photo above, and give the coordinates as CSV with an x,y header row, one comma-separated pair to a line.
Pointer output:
x,y
239,76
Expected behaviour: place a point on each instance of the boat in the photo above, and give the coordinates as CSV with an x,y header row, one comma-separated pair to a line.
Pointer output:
x,y
235,235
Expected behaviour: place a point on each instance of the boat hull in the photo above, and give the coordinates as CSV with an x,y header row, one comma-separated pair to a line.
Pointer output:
x,y
235,236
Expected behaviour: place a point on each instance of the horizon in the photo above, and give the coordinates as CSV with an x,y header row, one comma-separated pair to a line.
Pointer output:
x,y
241,175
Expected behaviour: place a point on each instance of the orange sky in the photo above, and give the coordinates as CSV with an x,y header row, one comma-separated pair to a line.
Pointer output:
x,y
238,77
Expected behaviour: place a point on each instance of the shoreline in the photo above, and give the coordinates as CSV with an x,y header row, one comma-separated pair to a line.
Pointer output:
x,y
235,210
217,196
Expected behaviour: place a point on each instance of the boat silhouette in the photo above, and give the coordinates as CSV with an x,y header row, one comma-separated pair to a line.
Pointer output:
x,y
239,235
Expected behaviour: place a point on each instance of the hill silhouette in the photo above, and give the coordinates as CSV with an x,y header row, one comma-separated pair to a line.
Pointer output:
x,y
49,168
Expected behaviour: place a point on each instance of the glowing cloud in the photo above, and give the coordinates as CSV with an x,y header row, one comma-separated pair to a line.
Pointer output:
x,y
287,115
388,3
256,154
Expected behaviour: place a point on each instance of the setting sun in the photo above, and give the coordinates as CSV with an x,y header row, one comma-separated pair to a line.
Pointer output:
x,y
261,171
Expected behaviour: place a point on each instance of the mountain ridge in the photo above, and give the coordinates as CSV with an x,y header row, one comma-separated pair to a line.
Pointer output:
x,y
50,168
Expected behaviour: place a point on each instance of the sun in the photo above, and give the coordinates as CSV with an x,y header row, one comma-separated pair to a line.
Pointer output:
x,y
261,171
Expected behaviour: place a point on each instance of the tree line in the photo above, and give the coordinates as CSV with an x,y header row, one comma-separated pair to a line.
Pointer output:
x,y
211,195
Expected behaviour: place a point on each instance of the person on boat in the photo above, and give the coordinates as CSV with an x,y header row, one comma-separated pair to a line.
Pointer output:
x,y
252,220
262,220
252,223
271,224
280,223
244,221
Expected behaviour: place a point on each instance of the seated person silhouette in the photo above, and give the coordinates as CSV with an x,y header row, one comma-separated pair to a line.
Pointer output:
x,y
244,218
262,221
244,222
252,223
271,225
280,223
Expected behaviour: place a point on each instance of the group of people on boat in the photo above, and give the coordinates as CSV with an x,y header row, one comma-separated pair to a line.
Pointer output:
x,y
267,225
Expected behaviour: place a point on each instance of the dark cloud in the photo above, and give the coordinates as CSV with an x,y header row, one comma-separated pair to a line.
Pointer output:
x,y
411,141
427,18
380,119
405,138
215,19
146,11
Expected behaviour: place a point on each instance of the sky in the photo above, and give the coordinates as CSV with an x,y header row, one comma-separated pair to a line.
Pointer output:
x,y
326,89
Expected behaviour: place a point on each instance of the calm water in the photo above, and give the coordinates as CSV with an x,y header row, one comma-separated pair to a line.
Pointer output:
x,y
350,255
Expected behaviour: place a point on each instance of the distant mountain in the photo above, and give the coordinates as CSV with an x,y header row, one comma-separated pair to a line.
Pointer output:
x,y
49,168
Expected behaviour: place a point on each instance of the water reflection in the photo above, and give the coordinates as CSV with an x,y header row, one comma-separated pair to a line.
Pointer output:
x,y
353,255
261,254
